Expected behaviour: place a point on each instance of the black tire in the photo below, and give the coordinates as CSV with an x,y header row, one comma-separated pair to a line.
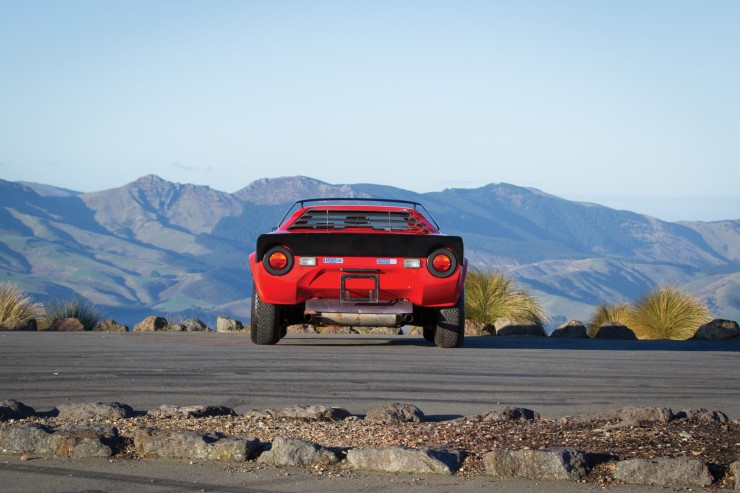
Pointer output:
x,y
428,332
450,330
266,321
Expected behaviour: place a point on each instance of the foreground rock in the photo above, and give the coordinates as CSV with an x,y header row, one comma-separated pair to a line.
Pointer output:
x,y
396,413
702,416
94,410
572,329
378,331
407,460
664,472
151,324
735,471
632,415
286,451
71,441
12,409
29,325
110,326
186,412
304,413
508,327
190,445
189,325
66,325
475,328
613,330
718,330
505,414
549,464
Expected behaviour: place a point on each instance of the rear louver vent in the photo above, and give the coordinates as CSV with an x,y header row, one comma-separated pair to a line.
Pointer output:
x,y
375,220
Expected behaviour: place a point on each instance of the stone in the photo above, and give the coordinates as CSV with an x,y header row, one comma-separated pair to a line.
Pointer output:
x,y
94,410
506,414
12,409
406,460
335,330
632,415
301,329
167,411
510,328
718,330
194,325
380,331
664,472
475,328
226,324
396,413
735,471
305,413
29,325
70,441
66,325
150,443
151,324
572,329
614,330
110,326
703,416
287,451
542,465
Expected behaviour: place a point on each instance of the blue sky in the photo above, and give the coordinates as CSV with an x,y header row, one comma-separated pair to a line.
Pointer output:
x,y
631,104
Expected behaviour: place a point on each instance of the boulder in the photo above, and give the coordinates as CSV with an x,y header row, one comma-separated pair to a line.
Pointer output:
x,y
12,409
572,329
301,329
110,326
406,460
66,325
505,414
286,451
475,328
70,441
507,327
194,325
702,416
151,324
226,324
718,330
29,325
165,444
380,331
335,330
305,413
396,413
664,472
167,411
542,465
735,471
94,410
614,330
633,415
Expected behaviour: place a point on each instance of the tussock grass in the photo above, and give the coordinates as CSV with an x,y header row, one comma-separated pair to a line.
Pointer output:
x,y
667,313
16,308
606,313
80,308
493,295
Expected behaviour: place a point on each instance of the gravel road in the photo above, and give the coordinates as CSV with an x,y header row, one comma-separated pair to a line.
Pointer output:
x,y
554,377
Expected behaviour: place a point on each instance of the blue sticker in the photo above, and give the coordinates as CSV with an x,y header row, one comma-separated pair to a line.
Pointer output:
x,y
386,261
333,260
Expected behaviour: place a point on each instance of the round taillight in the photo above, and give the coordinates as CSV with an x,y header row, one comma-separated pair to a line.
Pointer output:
x,y
441,263
278,260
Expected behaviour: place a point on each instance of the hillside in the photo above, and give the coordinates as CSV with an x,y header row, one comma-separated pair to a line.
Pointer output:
x,y
153,246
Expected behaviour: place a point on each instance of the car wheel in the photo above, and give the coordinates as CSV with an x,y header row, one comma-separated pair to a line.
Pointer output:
x,y
428,332
266,321
450,331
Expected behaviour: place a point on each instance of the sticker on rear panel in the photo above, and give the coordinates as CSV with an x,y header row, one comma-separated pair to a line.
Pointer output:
x,y
333,260
386,261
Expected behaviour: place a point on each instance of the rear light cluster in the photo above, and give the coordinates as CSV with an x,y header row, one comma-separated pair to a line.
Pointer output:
x,y
441,263
278,260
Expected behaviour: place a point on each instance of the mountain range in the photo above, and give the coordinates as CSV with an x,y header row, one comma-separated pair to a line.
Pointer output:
x,y
179,250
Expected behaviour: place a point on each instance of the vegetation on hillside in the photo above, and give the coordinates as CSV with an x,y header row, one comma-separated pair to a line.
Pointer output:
x,y
493,295
16,308
80,308
663,313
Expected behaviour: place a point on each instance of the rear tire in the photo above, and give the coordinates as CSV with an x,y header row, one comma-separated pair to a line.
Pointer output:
x,y
428,332
450,331
266,321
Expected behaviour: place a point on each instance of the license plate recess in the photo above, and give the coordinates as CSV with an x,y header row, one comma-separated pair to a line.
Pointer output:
x,y
359,288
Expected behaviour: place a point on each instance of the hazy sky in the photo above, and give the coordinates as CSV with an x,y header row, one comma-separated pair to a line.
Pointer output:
x,y
631,104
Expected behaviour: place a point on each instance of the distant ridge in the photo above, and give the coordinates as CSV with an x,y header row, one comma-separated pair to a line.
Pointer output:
x,y
157,247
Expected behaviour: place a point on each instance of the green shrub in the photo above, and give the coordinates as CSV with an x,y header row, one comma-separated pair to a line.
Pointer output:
x,y
80,308
493,295
606,313
667,313
16,308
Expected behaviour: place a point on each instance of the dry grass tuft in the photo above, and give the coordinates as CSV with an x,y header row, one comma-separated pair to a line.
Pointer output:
x,y
493,295
16,308
606,313
667,313
81,309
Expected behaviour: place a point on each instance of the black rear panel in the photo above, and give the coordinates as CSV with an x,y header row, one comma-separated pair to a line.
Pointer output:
x,y
359,244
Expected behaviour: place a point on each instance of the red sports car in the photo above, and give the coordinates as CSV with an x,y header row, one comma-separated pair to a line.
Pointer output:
x,y
359,262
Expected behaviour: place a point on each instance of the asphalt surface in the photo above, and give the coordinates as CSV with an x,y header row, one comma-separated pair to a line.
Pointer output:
x,y
554,377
